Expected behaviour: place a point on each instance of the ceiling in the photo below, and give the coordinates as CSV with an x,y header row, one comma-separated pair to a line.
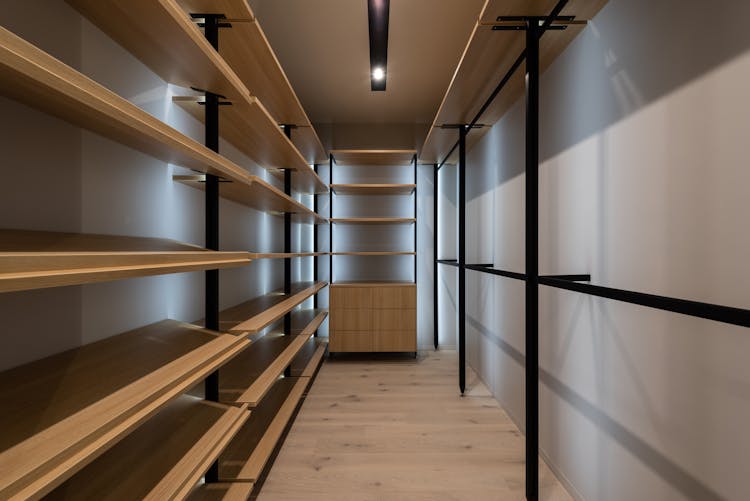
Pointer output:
x,y
323,47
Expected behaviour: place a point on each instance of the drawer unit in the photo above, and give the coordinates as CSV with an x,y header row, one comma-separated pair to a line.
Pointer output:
x,y
373,317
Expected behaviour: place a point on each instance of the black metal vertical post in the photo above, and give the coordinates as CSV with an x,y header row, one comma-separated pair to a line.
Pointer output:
x,y
330,225
462,258
288,248
415,219
533,31
435,252
315,246
211,109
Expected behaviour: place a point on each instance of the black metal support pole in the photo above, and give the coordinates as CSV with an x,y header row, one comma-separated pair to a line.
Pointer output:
x,y
415,218
211,109
435,174
533,32
315,243
462,258
287,249
330,225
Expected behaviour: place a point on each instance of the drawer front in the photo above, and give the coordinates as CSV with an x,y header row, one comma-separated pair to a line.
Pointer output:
x,y
351,297
394,297
394,320
350,341
395,341
351,319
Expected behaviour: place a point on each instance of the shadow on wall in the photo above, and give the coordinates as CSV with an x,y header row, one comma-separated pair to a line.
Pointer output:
x,y
634,82
680,479
622,81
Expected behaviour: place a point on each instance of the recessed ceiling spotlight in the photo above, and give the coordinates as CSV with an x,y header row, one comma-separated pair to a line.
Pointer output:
x,y
377,17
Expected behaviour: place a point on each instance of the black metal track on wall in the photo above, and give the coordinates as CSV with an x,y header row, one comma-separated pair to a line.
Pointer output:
x,y
436,194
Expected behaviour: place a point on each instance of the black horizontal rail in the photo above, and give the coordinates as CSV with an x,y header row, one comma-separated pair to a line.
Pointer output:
x,y
449,262
726,314
492,271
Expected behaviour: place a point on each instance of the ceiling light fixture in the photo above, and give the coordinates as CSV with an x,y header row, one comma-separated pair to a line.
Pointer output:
x,y
377,13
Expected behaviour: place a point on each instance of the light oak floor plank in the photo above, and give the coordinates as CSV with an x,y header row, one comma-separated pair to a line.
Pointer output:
x,y
391,429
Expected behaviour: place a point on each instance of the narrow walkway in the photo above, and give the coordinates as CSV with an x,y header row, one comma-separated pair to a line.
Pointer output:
x,y
398,430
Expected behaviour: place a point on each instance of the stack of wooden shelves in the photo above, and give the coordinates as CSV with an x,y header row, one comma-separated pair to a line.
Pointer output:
x,y
374,316
117,417
488,56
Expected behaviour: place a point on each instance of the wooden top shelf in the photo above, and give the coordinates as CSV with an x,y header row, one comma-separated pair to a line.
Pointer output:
x,y
245,48
374,157
247,455
375,253
373,189
486,59
164,38
32,76
257,194
373,220
256,314
248,377
38,259
164,458
62,411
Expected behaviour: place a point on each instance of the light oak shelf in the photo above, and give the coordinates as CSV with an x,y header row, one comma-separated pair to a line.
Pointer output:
x,y
250,317
373,189
284,255
246,49
373,220
37,259
61,412
257,194
164,458
486,59
374,283
221,491
374,157
247,455
32,76
249,376
375,253
248,126
164,38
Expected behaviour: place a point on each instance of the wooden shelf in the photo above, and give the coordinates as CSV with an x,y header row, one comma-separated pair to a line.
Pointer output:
x,y
164,458
248,126
245,48
373,220
373,189
63,411
247,455
250,375
257,194
228,491
374,157
284,255
38,259
374,253
253,316
486,59
32,76
166,40
373,283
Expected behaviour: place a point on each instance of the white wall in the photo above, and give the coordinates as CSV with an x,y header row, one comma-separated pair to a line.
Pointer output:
x,y
74,180
644,185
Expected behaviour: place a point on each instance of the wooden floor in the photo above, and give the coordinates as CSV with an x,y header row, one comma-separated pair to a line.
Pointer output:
x,y
396,429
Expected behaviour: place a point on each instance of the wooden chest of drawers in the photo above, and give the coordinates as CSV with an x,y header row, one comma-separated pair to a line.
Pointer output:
x,y
373,317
